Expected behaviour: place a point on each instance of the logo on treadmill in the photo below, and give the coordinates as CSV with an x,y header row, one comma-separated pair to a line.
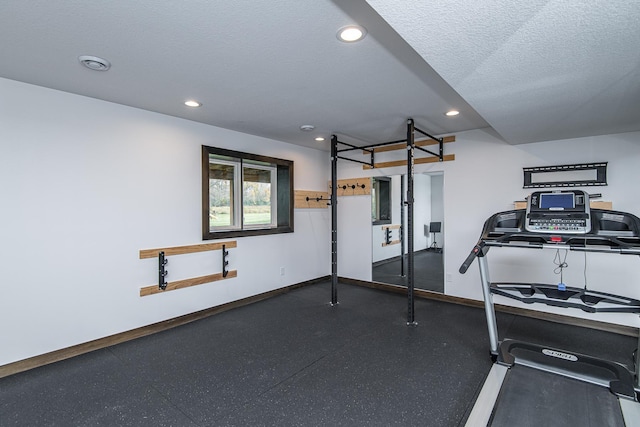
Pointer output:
x,y
559,355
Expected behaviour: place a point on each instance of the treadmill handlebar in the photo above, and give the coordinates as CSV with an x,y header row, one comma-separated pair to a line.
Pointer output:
x,y
475,252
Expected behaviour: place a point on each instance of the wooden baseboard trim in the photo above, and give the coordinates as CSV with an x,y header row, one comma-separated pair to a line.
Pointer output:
x,y
76,350
67,353
552,317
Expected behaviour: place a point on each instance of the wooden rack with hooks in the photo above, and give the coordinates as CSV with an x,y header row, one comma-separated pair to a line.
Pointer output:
x,y
311,199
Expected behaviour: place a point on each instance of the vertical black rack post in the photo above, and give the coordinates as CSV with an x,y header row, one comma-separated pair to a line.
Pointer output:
x,y
402,226
410,258
334,220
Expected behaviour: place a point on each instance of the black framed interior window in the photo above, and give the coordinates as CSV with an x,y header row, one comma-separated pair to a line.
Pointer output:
x,y
245,194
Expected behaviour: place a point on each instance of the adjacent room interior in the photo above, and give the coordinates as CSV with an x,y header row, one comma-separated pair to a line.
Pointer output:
x,y
237,213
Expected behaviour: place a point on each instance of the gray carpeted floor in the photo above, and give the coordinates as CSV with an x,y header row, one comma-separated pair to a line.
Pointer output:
x,y
292,360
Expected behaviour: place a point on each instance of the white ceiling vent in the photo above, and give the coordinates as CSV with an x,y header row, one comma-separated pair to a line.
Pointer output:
x,y
94,63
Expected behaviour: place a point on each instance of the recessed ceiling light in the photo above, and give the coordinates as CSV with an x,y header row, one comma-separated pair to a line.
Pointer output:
x,y
452,113
351,33
307,128
94,63
319,138
192,103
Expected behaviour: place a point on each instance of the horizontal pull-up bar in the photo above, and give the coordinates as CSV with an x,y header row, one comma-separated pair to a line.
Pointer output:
x,y
381,144
354,160
353,147
428,151
427,134
419,143
368,148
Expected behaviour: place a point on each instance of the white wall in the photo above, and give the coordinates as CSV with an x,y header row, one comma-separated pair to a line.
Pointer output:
x,y
86,184
487,177
421,211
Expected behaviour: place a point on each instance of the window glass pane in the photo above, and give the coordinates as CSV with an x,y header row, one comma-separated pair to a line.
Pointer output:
x,y
256,196
221,200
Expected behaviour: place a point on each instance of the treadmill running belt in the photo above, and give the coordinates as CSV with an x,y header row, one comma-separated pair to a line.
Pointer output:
x,y
530,397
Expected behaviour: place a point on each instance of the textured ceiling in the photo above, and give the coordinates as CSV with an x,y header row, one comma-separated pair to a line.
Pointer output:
x,y
534,71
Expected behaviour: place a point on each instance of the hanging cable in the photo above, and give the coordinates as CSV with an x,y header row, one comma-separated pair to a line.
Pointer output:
x,y
561,264
585,270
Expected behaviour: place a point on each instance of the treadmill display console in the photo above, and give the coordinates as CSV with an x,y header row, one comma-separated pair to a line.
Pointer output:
x,y
560,212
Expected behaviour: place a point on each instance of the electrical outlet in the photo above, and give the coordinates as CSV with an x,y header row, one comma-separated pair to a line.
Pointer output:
x,y
282,271
449,277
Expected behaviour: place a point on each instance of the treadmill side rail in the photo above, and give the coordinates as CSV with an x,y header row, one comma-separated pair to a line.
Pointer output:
x,y
483,407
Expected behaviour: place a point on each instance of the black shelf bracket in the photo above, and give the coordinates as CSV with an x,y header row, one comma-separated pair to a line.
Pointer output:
x,y
225,262
162,272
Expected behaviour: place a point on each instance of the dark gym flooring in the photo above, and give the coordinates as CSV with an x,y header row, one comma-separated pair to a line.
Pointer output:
x,y
291,360
428,271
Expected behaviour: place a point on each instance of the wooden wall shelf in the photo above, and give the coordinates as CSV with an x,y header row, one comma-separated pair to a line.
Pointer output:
x,y
180,250
179,284
189,249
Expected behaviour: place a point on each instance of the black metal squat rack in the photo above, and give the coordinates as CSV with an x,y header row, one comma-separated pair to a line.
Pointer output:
x,y
409,203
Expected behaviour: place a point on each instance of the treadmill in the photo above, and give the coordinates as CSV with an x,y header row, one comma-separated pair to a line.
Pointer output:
x,y
552,386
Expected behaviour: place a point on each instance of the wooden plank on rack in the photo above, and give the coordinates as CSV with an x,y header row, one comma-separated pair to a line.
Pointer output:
x,y
391,227
403,146
594,204
154,289
301,201
393,242
180,250
601,204
418,161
